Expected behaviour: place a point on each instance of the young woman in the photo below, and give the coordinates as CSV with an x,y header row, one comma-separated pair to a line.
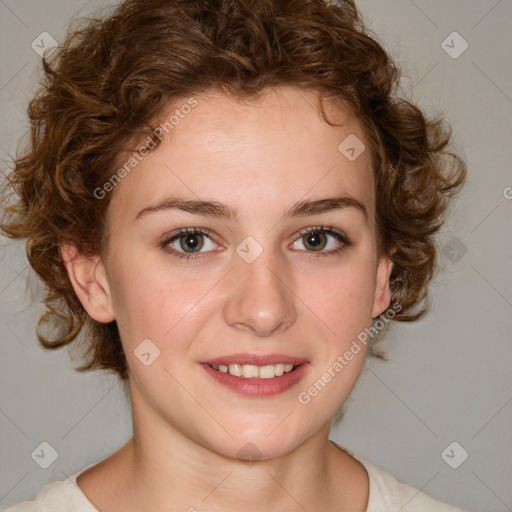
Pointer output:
x,y
223,196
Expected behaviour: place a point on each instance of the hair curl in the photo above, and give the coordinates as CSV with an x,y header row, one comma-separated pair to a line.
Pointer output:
x,y
113,75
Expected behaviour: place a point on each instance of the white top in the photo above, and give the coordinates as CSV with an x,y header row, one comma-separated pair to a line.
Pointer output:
x,y
386,495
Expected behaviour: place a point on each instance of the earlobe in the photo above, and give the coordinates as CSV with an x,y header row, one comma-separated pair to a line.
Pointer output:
x,y
88,278
382,297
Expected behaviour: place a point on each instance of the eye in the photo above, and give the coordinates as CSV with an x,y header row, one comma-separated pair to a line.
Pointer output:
x,y
323,239
191,243
188,242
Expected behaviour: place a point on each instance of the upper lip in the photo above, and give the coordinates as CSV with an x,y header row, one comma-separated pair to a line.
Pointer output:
x,y
256,359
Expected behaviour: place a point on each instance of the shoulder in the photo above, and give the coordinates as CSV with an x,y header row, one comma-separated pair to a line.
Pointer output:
x,y
60,496
389,494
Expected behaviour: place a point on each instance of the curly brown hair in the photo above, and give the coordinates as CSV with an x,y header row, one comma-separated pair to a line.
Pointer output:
x,y
114,74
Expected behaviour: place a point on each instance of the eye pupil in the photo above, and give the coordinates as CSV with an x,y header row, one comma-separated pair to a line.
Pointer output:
x,y
315,239
191,242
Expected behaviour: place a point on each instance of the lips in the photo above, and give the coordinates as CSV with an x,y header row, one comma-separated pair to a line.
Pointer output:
x,y
257,375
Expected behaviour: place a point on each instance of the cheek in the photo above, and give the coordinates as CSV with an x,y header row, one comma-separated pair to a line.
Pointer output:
x,y
344,306
342,297
155,301
341,301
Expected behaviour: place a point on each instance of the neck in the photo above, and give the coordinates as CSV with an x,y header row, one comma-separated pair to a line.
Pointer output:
x,y
160,468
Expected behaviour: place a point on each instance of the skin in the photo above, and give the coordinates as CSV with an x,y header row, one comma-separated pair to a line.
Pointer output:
x,y
261,157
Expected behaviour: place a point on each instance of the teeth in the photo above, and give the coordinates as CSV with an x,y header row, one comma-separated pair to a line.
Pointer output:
x,y
267,372
250,371
235,369
280,369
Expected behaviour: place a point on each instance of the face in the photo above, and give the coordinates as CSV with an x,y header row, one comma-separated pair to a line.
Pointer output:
x,y
260,265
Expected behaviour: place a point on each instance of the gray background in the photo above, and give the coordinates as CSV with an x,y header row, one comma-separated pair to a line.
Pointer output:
x,y
449,376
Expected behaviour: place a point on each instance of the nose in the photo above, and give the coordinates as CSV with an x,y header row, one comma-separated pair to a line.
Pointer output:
x,y
260,298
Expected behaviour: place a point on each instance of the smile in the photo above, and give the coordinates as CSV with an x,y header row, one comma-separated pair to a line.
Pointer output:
x,y
250,371
257,376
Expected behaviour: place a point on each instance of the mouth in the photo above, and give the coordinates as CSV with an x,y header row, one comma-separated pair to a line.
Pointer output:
x,y
251,371
257,376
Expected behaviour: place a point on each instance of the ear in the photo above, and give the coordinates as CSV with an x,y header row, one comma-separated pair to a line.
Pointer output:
x,y
382,290
88,277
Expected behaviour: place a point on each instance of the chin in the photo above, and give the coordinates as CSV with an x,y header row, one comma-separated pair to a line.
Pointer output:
x,y
262,438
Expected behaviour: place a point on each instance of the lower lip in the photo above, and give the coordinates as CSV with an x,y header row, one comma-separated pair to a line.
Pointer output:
x,y
259,387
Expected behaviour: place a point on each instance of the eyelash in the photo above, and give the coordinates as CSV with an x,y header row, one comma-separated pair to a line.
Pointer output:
x,y
343,239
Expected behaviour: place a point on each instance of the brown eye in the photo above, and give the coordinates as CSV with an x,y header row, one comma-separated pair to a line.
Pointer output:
x,y
191,242
322,240
315,241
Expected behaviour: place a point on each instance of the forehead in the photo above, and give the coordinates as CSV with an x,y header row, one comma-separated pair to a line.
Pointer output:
x,y
271,149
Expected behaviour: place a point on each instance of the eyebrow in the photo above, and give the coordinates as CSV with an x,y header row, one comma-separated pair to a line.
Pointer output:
x,y
219,210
